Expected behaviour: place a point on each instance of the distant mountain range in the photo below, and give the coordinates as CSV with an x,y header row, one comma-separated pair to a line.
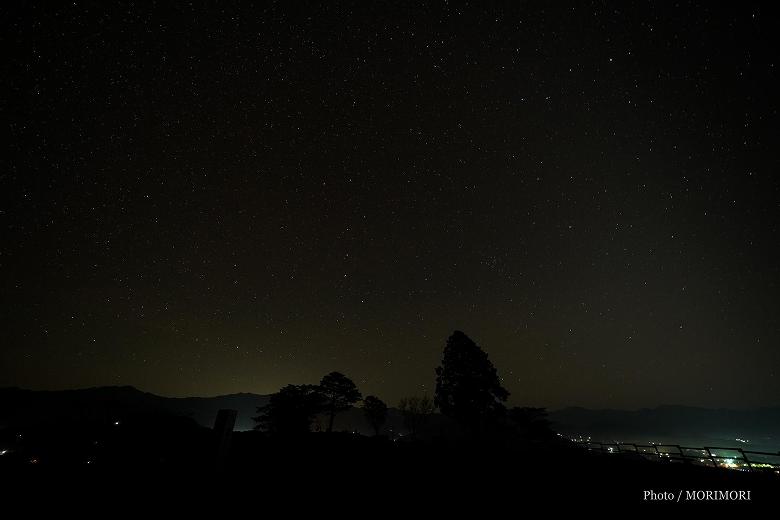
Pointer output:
x,y
19,408
759,427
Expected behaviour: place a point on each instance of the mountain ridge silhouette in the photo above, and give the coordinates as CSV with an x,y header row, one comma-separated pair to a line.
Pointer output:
x,y
22,407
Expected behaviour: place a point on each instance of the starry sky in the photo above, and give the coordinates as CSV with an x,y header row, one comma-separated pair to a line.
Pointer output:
x,y
214,197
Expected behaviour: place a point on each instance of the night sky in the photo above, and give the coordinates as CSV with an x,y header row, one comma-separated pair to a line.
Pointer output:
x,y
214,198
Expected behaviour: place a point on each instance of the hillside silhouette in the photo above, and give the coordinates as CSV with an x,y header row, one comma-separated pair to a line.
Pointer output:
x,y
465,439
22,408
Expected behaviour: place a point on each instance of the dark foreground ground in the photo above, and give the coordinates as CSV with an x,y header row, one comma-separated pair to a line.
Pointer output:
x,y
131,465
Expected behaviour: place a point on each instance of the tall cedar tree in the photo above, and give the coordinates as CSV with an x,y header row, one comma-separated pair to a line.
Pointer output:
x,y
467,384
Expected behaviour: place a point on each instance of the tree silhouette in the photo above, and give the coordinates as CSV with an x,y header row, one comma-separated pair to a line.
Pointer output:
x,y
375,411
291,410
531,423
467,385
416,411
340,394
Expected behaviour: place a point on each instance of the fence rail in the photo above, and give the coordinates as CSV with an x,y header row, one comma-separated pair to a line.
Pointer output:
x,y
714,456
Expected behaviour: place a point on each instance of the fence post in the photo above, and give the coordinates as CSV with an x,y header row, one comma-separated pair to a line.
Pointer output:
x,y
744,456
712,457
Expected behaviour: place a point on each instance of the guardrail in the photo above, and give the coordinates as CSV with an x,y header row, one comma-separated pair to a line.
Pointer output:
x,y
714,456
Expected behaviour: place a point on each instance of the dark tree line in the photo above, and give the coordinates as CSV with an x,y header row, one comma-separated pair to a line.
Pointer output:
x,y
468,390
292,410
